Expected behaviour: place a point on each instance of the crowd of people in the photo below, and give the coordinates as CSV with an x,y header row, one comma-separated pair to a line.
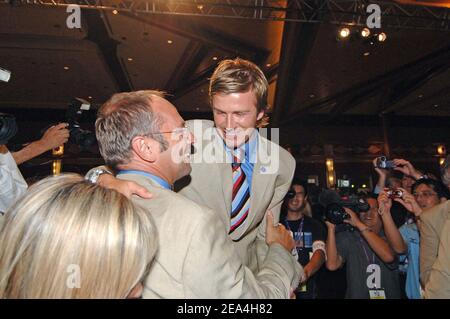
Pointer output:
x,y
211,209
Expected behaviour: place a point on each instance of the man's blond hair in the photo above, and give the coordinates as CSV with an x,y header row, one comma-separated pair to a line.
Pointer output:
x,y
239,76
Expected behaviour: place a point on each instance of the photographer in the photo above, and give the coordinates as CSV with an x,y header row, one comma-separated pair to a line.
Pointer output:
x,y
371,263
427,193
309,237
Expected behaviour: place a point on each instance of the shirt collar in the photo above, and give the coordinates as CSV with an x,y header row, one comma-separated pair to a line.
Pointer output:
x,y
249,148
163,183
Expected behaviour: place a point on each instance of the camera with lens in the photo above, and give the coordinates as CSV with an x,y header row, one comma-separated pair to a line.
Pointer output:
x,y
383,162
334,206
395,193
8,127
79,136
290,194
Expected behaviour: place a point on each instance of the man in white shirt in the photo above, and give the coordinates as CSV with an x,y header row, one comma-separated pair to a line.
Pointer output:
x,y
13,184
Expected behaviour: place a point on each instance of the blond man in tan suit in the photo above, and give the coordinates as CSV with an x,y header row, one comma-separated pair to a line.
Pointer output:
x,y
238,97
141,135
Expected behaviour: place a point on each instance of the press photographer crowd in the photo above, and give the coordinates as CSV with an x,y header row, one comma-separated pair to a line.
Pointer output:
x,y
153,223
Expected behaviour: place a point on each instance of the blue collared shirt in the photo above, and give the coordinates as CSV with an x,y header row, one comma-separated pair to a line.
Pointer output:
x,y
249,160
163,183
410,234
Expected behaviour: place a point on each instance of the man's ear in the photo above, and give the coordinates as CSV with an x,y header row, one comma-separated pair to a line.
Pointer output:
x,y
145,148
260,115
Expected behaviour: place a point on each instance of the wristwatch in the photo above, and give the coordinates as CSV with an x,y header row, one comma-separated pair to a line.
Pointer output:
x,y
93,175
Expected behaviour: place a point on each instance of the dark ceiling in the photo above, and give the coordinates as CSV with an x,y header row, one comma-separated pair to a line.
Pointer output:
x,y
310,71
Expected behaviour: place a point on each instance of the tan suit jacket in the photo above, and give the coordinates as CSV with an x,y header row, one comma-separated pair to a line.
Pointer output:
x,y
210,184
435,251
197,259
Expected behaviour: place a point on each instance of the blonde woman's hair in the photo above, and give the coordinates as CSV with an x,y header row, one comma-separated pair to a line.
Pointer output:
x,y
68,238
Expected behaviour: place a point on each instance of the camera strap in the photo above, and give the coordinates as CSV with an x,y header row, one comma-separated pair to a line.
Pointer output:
x,y
363,245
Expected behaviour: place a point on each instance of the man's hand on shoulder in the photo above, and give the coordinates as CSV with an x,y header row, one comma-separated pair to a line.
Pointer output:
x,y
127,188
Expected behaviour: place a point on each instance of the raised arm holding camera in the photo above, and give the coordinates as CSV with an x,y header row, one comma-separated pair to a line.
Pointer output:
x,y
371,263
53,137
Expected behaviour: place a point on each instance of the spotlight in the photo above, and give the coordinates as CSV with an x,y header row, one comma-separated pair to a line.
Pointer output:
x,y
365,32
382,37
344,32
5,75
441,150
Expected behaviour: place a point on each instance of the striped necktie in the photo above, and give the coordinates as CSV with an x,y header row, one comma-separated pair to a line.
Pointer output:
x,y
240,204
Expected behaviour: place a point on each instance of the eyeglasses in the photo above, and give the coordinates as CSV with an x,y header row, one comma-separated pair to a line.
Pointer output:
x,y
176,133
425,194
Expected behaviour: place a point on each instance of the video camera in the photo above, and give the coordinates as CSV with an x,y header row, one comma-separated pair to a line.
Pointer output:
x,y
8,127
334,205
79,136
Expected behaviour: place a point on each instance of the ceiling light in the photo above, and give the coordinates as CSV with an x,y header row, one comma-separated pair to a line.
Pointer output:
x,y
382,37
169,41
214,58
365,32
344,32
130,59
366,53
115,11
66,68
441,150
5,75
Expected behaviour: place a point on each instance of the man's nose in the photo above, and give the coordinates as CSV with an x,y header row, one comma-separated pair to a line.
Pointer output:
x,y
230,121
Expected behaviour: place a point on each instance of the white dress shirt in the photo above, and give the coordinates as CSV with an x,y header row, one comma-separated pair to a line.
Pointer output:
x,y
11,180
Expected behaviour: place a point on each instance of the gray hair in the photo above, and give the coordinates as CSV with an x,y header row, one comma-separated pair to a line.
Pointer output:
x,y
123,117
